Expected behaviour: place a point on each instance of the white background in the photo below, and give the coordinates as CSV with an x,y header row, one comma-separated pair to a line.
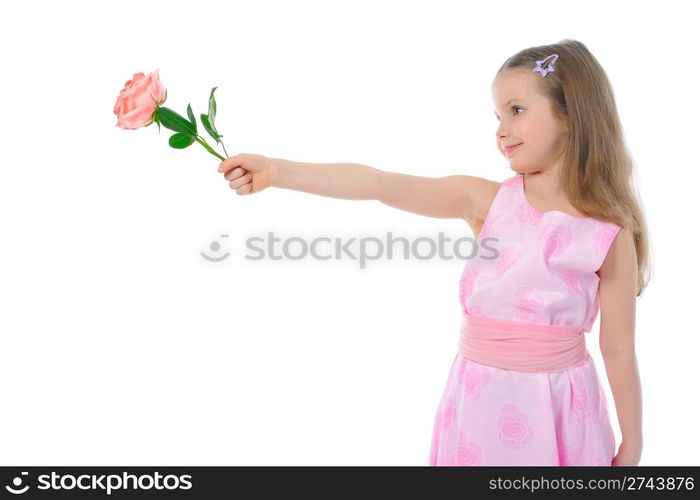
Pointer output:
x,y
122,345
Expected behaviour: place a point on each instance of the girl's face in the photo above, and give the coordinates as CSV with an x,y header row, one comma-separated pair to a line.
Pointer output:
x,y
526,117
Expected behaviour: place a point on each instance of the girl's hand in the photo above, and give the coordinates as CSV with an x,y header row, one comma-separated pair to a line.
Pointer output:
x,y
629,454
248,173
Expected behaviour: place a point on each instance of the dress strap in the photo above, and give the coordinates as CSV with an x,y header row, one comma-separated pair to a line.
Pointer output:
x,y
502,206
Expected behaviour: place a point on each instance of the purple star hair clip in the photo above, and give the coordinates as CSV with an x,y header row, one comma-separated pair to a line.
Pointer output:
x,y
548,69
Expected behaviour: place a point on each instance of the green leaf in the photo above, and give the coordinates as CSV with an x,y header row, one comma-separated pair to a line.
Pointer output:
x,y
191,117
212,116
212,106
208,127
181,141
174,121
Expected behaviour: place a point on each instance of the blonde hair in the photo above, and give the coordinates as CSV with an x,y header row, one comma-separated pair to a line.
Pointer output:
x,y
597,167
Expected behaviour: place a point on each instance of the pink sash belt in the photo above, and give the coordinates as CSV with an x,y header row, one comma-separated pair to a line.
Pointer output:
x,y
525,347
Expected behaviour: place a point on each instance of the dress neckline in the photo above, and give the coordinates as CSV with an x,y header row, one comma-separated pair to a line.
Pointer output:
x,y
522,191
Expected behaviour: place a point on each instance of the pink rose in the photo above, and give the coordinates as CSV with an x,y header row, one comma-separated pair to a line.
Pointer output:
x,y
513,428
556,241
474,378
449,413
468,453
138,100
582,408
529,306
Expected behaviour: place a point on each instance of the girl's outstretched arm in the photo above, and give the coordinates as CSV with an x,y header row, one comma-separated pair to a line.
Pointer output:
x,y
618,294
350,181
453,196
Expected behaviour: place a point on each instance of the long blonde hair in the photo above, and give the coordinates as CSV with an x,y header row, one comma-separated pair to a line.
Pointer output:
x,y
597,168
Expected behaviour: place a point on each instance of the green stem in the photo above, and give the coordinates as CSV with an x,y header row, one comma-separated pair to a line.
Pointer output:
x,y
208,147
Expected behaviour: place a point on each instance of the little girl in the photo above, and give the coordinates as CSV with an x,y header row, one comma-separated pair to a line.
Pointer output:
x,y
570,240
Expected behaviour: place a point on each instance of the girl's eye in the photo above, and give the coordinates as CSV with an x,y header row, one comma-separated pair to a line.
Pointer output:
x,y
512,107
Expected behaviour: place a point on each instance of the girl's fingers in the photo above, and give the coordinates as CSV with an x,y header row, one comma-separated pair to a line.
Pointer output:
x,y
233,174
229,163
240,182
225,167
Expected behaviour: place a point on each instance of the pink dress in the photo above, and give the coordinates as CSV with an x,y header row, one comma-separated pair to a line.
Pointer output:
x,y
544,274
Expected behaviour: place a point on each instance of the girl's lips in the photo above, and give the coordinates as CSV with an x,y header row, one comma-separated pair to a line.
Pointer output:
x,y
510,149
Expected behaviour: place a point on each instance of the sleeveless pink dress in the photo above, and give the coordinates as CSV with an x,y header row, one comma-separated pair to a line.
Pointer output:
x,y
543,276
